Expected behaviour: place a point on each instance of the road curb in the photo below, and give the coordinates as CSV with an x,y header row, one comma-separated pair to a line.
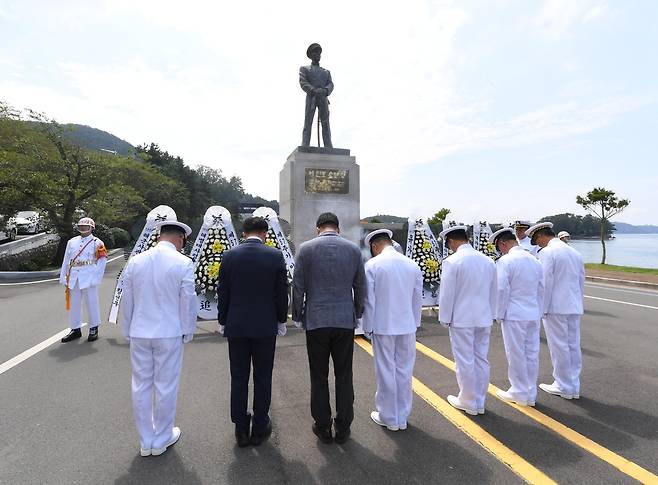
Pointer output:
x,y
615,281
21,276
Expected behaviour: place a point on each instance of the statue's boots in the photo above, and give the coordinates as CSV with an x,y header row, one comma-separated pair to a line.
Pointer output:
x,y
73,334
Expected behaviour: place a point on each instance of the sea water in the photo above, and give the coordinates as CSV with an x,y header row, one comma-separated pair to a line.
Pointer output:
x,y
640,250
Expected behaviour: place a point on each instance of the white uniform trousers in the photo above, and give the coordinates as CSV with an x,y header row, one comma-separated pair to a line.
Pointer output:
x,y
395,356
156,366
522,350
90,296
563,336
470,346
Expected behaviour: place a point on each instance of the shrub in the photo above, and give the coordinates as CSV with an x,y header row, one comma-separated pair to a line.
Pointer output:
x,y
103,233
121,237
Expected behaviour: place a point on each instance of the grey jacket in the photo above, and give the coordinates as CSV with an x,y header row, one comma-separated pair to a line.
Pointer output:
x,y
328,284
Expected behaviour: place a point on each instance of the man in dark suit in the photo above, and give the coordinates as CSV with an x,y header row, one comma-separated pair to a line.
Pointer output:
x,y
328,297
253,308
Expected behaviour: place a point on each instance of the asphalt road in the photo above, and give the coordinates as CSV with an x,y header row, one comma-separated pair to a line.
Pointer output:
x,y
65,412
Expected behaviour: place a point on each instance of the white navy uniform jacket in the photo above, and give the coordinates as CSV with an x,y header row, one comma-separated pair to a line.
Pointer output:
x,y
394,294
564,278
520,287
528,246
467,295
158,299
87,270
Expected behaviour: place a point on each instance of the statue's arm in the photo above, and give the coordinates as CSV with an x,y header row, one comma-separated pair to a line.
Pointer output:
x,y
303,81
330,84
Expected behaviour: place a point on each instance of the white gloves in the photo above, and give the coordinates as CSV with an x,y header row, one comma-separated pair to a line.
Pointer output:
x,y
297,324
282,330
221,329
188,338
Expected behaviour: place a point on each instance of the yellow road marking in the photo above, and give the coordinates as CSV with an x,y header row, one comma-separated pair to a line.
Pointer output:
x,y
622,464
518,465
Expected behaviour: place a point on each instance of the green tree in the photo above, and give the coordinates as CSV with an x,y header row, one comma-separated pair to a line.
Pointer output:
x,y
436,221
603,205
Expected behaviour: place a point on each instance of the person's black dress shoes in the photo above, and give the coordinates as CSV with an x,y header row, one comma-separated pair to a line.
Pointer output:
x,y
258,438
242,438
323,433
342,436
73,334
93,334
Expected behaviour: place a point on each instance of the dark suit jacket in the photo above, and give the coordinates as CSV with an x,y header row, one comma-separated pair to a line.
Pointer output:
x,y
329,284
252,290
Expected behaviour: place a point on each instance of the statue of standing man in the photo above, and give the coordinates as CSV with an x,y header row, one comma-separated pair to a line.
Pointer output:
x,y
316,82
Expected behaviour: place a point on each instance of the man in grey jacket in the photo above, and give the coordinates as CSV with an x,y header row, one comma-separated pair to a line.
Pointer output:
x,y
328,298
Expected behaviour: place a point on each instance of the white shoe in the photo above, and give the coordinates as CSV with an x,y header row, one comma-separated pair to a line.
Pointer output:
x,y
481,411
556,391
508,397
576,396
175,435
456,403
145,451
375,417
531,404
403,426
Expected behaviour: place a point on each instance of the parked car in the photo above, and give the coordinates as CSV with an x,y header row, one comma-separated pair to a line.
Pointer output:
x,y
7,229
28,222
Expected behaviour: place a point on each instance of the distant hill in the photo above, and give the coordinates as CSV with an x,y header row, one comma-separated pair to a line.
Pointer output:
x,y
95,139
384,218
624,228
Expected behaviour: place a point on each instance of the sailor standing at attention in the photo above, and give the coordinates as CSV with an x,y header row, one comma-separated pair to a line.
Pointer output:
x,y
394,301
518,308
159,315
82,272
564,283
520,227
467,301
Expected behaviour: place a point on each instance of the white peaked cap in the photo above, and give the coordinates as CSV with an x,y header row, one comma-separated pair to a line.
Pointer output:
x,y
448,230
182,225
492,238
374,233
537,227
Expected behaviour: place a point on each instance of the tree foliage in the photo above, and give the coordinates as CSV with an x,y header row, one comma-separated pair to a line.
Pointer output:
x,y
603,204
438,217
578,226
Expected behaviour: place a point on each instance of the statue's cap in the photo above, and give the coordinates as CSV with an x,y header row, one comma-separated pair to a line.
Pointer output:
x,y
313,47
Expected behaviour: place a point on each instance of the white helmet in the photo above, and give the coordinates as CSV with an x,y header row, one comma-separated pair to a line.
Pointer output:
x,y
87,221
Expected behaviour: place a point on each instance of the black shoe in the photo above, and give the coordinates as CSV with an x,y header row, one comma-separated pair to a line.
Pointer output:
x,y
258,438
342,436
93,334
323,433
73,334
242,438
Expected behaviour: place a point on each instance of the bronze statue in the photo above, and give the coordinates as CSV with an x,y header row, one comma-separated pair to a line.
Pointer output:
x,y
316,82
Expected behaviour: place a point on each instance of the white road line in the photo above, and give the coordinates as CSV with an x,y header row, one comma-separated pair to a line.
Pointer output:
x,y
622,290
44,281
622,302
13,362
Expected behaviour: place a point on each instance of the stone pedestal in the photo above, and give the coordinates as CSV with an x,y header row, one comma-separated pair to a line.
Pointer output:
x,y
316,180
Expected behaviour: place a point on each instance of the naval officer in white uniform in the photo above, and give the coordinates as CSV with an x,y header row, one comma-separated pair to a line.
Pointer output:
x,y
564,282
82,272
392,314
518,308
159,315
520,227
467,301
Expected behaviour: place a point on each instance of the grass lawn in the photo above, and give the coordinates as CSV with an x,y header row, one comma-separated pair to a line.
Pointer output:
x,y
622,269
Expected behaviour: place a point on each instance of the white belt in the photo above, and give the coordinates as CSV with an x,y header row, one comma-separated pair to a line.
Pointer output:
x,y
83,263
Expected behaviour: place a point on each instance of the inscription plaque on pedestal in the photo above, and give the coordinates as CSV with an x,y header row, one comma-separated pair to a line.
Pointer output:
x,y
316,180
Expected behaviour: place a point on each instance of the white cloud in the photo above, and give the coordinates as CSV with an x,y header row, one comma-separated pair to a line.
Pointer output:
x,y
557,17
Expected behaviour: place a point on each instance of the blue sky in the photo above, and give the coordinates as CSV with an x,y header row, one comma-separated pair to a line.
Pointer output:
x,y
498,109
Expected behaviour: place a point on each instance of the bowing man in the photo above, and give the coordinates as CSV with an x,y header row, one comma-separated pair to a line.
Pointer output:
x,y
564,282
518,308
467,300
159,315
394,291
253,308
